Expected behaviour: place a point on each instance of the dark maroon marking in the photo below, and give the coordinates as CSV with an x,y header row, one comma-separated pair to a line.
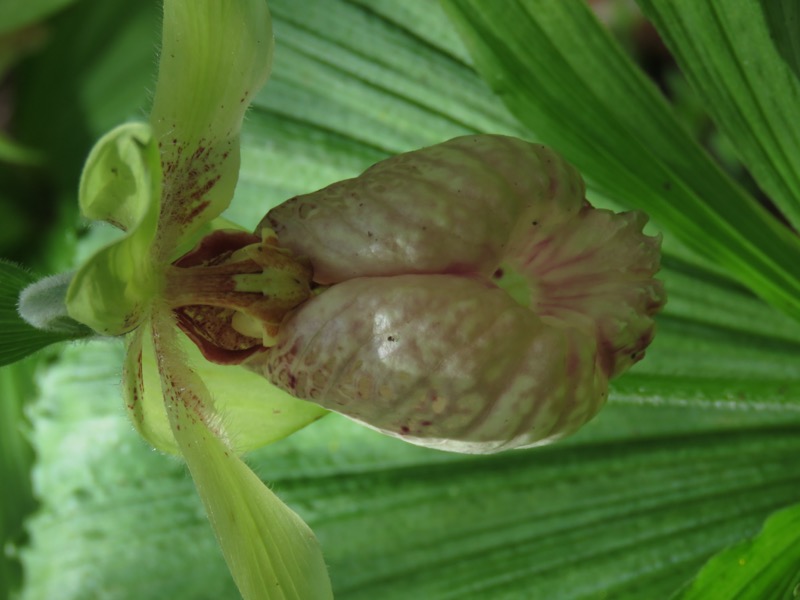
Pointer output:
x,y
214,244
209,350
498,274
196,211
426,423
404,430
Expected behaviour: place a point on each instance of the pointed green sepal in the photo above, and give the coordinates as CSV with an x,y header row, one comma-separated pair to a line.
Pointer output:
x,y
271,553
216,55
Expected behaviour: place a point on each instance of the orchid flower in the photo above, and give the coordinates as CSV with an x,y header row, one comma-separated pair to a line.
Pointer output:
x,y
465,296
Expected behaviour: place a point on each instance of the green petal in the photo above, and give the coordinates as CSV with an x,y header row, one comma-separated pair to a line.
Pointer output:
x,y
216,55
254,412
271,553
768,566
121,184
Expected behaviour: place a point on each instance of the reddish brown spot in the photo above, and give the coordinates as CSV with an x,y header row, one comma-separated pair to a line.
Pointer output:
x,y
196,211
498,274
404,430
426,423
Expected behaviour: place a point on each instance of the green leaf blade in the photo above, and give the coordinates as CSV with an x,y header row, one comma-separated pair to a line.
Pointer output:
x,y
768,566
563,76
730,57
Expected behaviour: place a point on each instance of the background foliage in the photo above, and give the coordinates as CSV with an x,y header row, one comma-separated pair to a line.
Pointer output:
x,y
699,442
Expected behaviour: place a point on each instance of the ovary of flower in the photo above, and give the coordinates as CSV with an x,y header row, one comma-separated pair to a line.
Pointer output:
x,y
475,300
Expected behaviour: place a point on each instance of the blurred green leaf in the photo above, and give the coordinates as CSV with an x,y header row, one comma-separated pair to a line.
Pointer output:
x,y
729,56
19,339
100,80
14,153
562,74
16,459
783,20
18,13
767,566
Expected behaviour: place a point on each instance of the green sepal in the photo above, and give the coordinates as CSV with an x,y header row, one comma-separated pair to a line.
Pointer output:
x,y
271,553
121,184
252,411
216,55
